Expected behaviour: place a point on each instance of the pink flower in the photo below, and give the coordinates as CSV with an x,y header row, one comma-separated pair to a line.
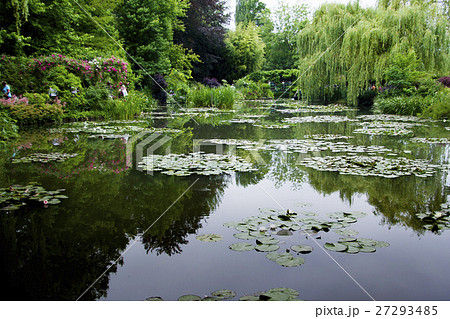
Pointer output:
x,y
45,202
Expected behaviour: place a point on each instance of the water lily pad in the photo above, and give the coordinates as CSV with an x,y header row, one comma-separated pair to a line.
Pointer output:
x,y
244,236
284,232
288,291
302,249
249,298
267,248
336,247
224,294
267,241
242,247
366,249
209,238
189,298
210,298
285,259
154,299
346,232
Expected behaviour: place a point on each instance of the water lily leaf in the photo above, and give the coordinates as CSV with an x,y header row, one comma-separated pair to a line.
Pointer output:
x,y
189,298
284,232
274,296
382,244
336,247
258,234
224,294
367,242
209,238
347,239
285,259
154,299
288,291
249,298
352,250
302,249
346,232
210,298
267,241
242,247
267,248
366,249
244,236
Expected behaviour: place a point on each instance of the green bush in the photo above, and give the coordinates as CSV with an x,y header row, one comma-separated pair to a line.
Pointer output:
x,y
126,109
440,108
96,96
224,97
200,96
203,96
402,105
254,90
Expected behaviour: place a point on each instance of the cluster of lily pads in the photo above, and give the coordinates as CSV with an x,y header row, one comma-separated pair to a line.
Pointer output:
x,y
356,245
328,137
317,108
439,220
16,196
273,126
319,119
195,163
98,129
371,166
275,294
44,158
300,146
392,118
429,140
263,232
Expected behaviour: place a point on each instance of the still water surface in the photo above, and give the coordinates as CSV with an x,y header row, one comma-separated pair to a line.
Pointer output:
x,y
58,252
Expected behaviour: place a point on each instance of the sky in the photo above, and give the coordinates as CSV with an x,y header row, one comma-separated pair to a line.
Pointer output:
x,y
313,4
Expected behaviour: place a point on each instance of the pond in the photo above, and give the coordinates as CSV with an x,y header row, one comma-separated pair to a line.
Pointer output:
x,y
329,202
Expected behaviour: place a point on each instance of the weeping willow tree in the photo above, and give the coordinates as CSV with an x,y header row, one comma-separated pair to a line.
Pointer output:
x,y
349,48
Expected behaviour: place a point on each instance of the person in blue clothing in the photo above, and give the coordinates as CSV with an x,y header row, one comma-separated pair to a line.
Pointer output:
x,y
6,90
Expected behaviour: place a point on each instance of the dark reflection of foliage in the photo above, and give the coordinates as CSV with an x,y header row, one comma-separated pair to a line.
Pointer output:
x,y
281,172
56,253
185,217
396,200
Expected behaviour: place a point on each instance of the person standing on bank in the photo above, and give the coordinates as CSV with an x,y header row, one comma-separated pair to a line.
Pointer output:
x,y
6,90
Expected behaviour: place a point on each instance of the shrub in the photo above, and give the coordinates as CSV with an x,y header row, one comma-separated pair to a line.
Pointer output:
x,y
159,89
401,105
200,96
96,96
203,96
440,107
211,82
126,109
445,80
251,90
223,97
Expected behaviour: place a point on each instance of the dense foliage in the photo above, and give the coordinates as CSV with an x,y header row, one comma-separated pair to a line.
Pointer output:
x,y
204,34
245,51
350,48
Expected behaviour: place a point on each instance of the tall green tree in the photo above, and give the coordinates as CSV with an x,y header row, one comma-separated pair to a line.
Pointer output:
x,y
38,27
252,11
350,48
146,28
204,34
281,44
245,51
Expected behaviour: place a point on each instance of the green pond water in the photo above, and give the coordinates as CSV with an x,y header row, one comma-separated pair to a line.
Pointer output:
x,y
310,191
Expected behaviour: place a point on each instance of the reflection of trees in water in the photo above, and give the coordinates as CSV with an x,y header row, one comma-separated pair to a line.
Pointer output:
x,y
397,200
185,217
57,253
